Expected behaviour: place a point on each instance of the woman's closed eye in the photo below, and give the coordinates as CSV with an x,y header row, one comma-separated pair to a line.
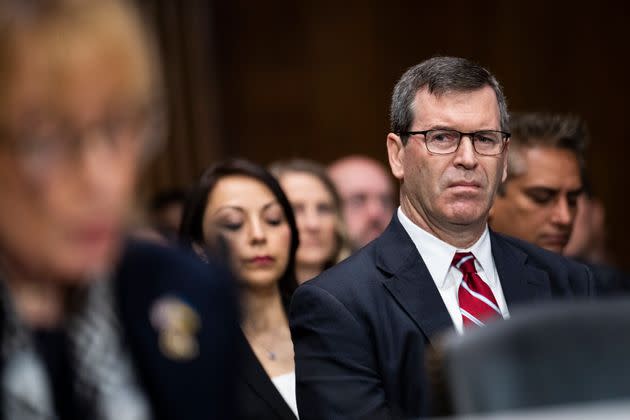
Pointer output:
x,y
231,226
230,223
275,221
274,217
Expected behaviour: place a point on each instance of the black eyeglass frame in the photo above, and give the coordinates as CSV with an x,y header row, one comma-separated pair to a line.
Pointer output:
x,y
506,137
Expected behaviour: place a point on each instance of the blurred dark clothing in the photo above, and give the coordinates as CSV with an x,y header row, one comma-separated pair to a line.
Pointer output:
x,y
361,329
558,354
178,384
609,281
53,347
201,388
165,210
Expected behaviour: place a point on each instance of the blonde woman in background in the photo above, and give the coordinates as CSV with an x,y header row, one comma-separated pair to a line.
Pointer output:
x,y
317,208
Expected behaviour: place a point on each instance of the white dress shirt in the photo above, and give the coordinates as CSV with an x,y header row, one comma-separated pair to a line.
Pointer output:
x,y
438,255
285,384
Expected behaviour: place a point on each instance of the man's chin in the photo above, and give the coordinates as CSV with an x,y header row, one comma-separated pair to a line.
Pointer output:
x,y
467,219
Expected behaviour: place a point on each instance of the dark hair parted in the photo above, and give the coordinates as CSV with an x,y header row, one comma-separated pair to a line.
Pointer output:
x,y
440,75
191,231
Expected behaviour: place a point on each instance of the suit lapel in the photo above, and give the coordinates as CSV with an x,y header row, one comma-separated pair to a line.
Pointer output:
x,y
520,282
409,281
257,379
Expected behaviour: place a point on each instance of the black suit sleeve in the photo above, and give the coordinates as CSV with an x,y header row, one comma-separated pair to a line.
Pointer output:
x,y
336,370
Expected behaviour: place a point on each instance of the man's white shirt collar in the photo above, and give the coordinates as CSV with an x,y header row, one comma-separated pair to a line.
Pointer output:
x,y
438,255
442,253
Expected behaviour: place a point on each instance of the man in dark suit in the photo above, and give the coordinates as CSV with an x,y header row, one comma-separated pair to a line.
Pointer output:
x,y
360,329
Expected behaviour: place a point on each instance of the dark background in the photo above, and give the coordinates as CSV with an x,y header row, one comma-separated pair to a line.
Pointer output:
x,y
275,79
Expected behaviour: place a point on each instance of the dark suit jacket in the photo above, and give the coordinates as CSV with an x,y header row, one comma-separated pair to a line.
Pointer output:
x,y
197,388
258,397
361,328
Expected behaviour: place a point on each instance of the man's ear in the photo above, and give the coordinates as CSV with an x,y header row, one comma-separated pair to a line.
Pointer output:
x,y
492,210
396,155
498,203
505,161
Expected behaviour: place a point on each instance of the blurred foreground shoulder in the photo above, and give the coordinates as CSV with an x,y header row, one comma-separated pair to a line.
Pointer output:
x,y
180,319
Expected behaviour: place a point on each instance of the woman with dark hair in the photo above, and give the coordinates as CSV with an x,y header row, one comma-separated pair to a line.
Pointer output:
x,y
237,211
317,207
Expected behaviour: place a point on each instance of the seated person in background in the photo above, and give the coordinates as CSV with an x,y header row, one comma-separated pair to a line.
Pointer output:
x,y
91,327
538,201
317,210
361,328
165,212
238,211
367,194
588,244
588,241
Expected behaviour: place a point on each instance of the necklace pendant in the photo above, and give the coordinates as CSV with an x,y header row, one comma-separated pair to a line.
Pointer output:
x,y
271,355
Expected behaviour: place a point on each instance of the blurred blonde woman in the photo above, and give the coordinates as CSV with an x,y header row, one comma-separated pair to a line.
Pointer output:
x,y
317,207
94,326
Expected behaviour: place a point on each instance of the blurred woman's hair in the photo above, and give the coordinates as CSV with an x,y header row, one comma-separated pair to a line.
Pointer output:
x,y
282,168
191,232
60,33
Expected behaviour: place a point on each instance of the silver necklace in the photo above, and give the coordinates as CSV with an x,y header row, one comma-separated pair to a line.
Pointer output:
x,y
271,355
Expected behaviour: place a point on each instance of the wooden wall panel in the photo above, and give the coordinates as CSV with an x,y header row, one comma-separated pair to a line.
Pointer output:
x,y
313,78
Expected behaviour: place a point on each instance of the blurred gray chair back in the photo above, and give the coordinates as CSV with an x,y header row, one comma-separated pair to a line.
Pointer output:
x,y
555,354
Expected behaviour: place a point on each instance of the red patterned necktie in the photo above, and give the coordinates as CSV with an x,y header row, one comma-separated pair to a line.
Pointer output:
x,y
476,300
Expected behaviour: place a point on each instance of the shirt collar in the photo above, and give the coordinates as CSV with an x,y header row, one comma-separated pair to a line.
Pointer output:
x,y
441,253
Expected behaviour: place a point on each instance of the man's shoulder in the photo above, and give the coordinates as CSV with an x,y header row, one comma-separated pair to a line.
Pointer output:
x,y
564,274
535,254
609,280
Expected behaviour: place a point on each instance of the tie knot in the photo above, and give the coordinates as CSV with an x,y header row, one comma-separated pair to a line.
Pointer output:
x,y
464,262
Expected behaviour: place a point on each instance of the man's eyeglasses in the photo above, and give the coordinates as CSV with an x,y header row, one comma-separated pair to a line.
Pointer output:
x,y
445,142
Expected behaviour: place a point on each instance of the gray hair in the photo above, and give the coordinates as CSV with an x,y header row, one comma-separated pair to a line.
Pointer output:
x,y
441,75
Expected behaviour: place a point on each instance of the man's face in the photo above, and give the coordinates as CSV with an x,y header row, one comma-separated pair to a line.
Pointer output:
x,y
448,192
368,199
539,205
68,159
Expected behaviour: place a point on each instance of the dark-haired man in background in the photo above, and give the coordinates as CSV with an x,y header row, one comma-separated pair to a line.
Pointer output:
x,y
538,202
